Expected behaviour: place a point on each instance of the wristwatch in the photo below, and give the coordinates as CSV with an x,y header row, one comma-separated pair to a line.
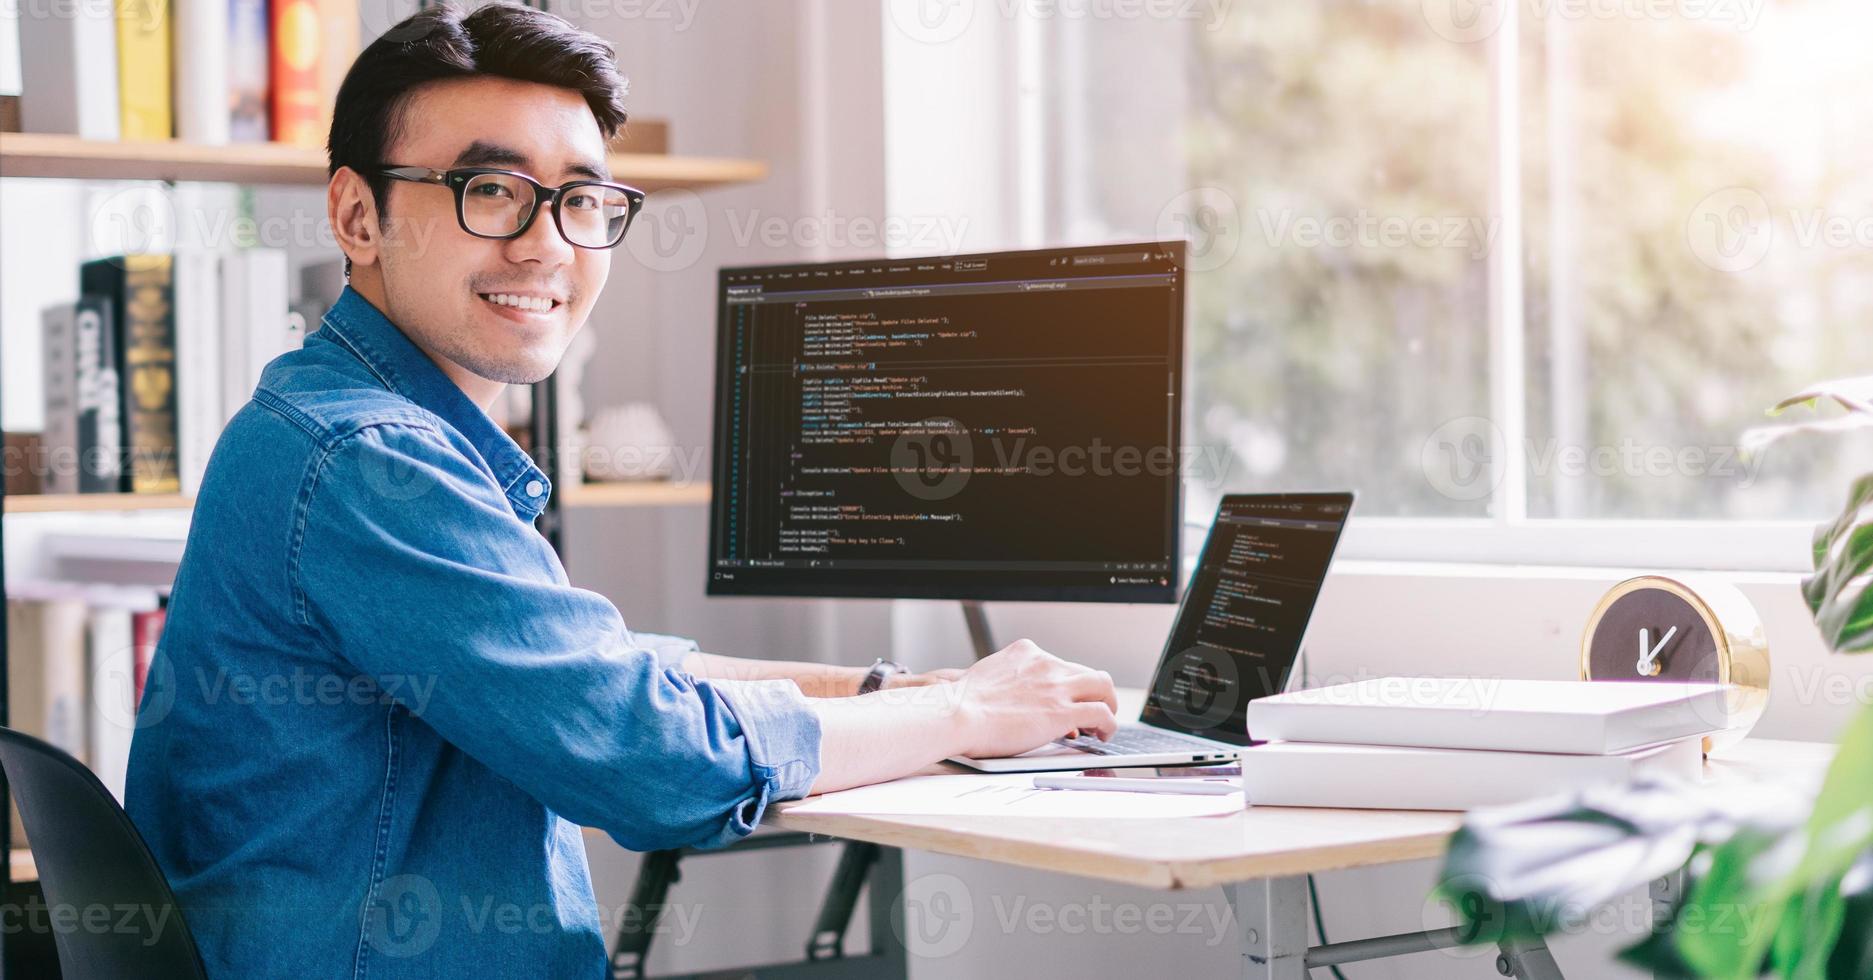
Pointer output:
x,y
881,670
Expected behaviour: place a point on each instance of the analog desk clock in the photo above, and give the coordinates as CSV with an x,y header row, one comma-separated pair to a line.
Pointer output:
x,y
1688,629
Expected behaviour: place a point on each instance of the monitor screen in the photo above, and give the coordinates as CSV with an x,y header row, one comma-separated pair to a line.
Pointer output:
x,y
993,426
1240,628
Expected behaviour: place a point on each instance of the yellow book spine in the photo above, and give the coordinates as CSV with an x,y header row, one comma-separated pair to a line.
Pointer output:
x,y
143,69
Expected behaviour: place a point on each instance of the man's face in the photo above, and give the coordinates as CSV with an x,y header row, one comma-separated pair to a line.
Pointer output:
x,y
453,293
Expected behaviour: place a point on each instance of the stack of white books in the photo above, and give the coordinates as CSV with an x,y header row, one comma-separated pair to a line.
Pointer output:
x,y
1415,743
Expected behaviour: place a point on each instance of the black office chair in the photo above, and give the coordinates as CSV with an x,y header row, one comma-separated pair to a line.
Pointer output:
x,y
91,856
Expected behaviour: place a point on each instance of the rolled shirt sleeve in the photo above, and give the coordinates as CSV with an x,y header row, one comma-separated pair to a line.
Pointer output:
x,y
415,568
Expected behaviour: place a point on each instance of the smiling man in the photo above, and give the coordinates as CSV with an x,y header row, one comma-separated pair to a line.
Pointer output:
x,y
379,713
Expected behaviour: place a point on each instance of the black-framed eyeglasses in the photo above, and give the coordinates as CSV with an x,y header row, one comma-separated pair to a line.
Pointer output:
x,y
502,204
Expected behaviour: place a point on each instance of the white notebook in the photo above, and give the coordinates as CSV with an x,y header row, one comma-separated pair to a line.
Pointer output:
x,y
1383,777
1576,717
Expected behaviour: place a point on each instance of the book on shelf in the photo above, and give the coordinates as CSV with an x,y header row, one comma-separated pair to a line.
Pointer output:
x,y
144,371
202,45
297,78
46,675
140,289
59,441
198,370
338,48
69,72
110,652
99,394
255,321
143,65
249,72
10,71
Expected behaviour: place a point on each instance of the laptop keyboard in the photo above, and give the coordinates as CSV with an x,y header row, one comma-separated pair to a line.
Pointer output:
x,y
1135,740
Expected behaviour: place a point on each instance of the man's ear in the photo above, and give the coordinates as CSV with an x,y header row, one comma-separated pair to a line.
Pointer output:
x,y
352,210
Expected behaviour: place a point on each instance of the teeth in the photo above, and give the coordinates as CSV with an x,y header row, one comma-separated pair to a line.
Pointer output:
x,y
538,304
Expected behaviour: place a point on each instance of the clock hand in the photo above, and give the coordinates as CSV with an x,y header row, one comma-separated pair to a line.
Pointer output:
x,y
1645,645
1649,661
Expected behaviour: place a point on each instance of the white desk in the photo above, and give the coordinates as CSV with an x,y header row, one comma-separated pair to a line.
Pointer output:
x,y
1260,857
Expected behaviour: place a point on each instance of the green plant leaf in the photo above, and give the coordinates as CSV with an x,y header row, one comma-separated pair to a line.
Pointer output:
x,y
1840,593
1536,867
1853,394
1760,880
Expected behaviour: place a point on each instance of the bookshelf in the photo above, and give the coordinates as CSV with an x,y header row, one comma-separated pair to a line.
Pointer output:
x,y
646,494
49,155
59,503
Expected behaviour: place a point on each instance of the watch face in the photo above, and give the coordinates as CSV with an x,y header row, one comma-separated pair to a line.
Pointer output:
x,y
1652,633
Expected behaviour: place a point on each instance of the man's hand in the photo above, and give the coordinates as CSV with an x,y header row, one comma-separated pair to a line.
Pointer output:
x,y
1016,700
1023,697
941,675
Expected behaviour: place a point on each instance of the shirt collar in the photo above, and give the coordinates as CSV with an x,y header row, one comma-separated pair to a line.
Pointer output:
x,y
363,330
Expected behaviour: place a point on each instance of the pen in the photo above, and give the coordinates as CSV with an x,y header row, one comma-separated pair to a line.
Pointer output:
x,y
1197,787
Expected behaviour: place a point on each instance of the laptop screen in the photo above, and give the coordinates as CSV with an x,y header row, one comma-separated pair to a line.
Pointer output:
x,y
1239,629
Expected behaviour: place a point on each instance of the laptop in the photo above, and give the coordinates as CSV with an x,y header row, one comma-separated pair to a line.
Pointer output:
x,y
1237,637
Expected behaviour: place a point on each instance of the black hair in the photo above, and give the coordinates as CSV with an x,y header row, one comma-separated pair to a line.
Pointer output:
x,y
502,39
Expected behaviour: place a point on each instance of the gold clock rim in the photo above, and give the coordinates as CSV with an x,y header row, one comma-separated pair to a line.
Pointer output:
x,y
1725,655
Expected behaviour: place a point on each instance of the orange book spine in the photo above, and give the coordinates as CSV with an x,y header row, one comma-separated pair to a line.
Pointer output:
x,y
297,82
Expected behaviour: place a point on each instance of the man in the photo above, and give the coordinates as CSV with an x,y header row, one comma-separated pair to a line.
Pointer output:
x,y
379,714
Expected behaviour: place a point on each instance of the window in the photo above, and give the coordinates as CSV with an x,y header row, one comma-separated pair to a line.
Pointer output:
x,y
1520,273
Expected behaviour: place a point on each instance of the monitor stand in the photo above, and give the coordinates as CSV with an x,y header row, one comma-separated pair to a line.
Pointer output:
x,y
979,636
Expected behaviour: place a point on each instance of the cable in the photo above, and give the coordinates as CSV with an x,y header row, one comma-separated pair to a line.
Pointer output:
x,y
1320,928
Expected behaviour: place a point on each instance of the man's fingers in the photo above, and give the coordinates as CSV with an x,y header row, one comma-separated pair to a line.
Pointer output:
x,y
1094,685
1094,717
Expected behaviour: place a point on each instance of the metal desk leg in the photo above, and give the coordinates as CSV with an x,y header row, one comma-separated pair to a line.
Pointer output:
x,y
1271,922
1667,892
889,960
1527,960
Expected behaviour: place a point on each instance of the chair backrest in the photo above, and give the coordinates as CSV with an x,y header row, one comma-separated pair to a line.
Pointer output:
x,y
109,906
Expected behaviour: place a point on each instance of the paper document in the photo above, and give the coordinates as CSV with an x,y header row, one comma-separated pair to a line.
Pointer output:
x,y
1012,795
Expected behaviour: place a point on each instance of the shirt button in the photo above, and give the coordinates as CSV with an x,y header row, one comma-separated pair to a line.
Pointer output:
x,y
534,488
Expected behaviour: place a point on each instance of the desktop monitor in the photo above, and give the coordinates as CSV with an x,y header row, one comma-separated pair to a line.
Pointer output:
x,y
993,426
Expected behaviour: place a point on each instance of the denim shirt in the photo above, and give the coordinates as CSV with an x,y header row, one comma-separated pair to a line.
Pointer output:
x,y
378,715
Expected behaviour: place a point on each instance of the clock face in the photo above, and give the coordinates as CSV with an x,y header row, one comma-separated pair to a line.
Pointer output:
x,y
1652,633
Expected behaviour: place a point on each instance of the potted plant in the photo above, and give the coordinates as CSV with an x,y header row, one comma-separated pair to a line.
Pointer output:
x,y
1773,886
